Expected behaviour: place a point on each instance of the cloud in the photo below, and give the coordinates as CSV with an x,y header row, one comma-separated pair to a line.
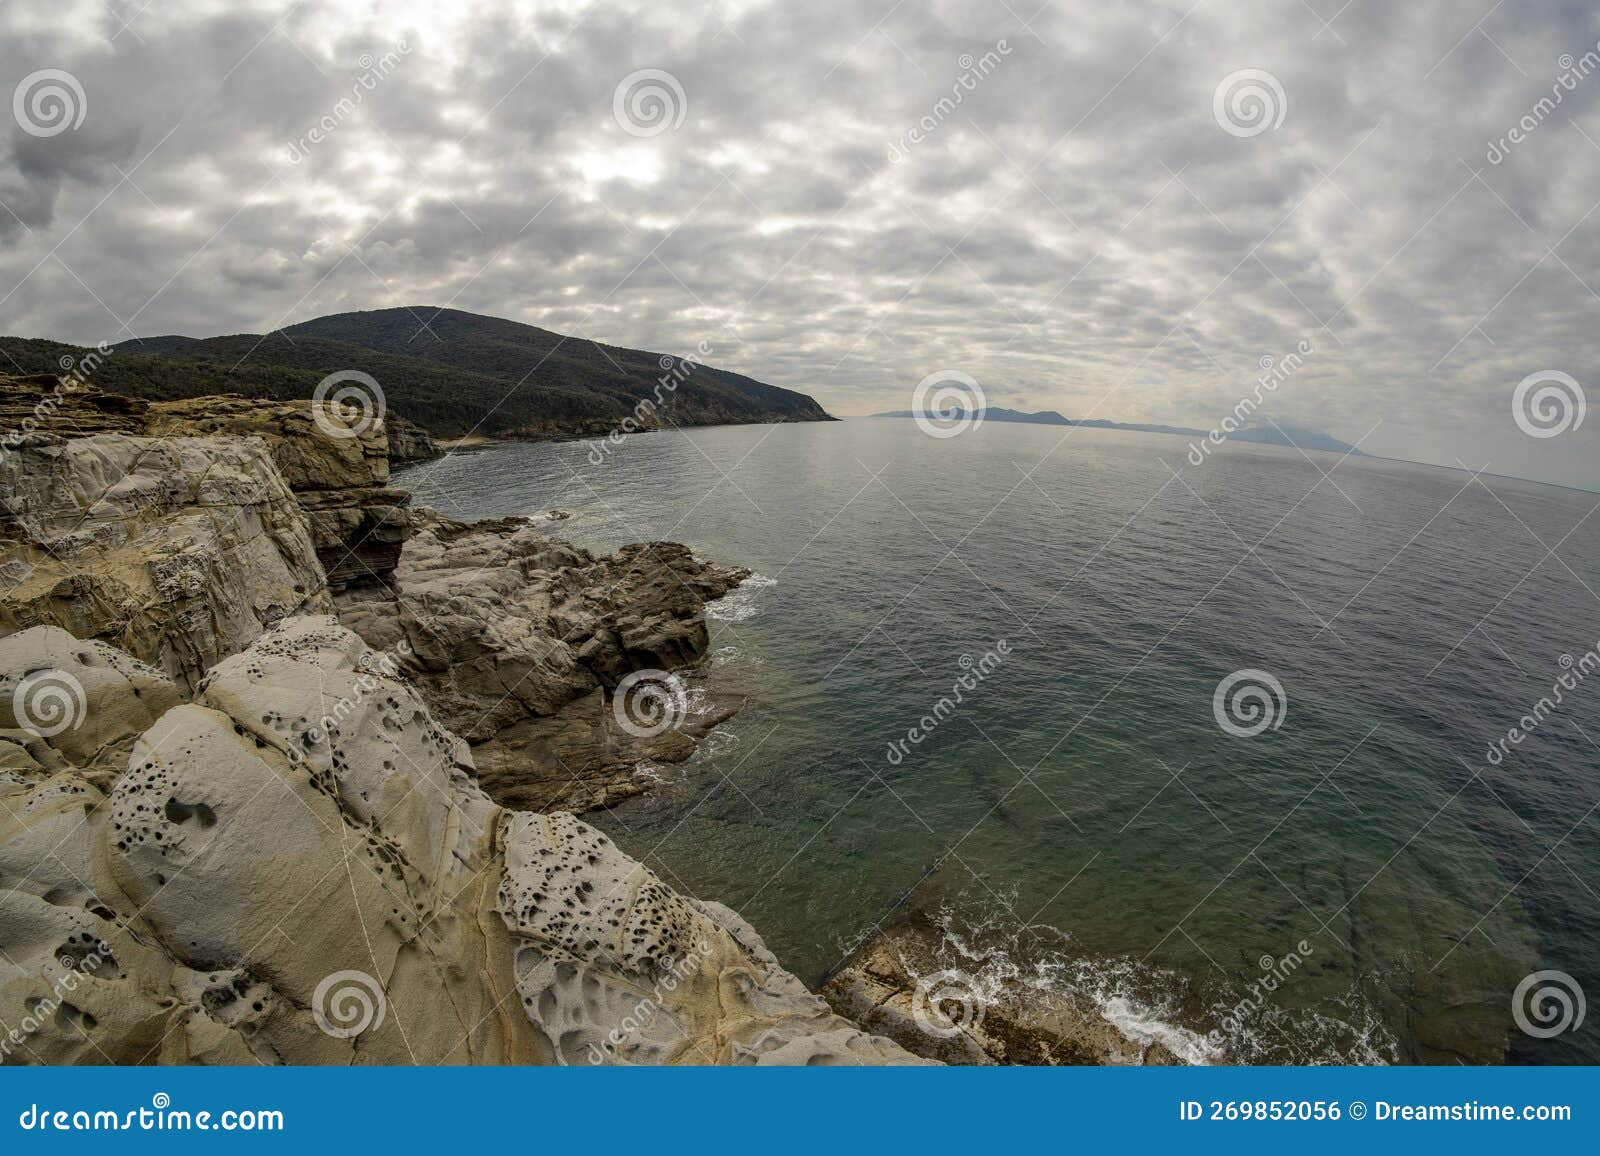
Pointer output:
x,y
857,196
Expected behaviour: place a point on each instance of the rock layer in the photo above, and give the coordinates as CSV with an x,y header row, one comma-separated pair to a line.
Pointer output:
x,y
335,458
178,550
297,867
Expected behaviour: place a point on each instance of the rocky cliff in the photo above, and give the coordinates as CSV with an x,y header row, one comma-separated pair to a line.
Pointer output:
x,y
297,866
178,550
334,459
233,830
519,643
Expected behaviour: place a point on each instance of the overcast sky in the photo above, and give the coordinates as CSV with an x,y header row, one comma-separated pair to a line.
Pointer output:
x,y
1084,223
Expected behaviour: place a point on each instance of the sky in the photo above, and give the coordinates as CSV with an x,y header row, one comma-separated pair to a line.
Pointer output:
x,y
1118,211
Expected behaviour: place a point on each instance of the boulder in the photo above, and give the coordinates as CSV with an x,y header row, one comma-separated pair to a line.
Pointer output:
x,y
518,642
906,983
409,442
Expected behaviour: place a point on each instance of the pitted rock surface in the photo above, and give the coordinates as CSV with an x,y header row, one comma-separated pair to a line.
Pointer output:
x,y
304,825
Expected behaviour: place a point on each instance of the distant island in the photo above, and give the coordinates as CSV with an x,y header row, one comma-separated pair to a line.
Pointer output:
x,y
453,373
1278,435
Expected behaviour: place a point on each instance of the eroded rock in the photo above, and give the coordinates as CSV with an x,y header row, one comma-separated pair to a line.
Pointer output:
x,y
298,867
179,550
517,641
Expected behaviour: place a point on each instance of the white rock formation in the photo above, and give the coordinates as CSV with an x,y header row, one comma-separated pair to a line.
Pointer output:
x,y
180,550
298,866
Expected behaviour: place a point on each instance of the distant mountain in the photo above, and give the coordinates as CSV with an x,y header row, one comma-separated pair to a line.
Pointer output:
x,y
1279,435
449,371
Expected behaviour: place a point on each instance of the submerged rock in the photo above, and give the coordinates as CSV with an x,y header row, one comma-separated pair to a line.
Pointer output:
x,y
901,984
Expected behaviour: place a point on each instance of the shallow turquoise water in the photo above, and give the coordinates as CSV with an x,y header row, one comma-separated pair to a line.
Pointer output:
x,y
1081,818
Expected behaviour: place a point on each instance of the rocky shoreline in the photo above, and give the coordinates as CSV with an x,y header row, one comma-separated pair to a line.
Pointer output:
x,y
281,758
904,984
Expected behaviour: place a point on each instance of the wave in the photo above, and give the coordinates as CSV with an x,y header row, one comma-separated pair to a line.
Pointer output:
x,y
741,604
1034,969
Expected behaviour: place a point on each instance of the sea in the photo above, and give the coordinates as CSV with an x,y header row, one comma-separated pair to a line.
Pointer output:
x,y
1280,757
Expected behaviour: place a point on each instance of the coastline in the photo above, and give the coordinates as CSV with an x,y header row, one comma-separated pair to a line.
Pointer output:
x,y
226,521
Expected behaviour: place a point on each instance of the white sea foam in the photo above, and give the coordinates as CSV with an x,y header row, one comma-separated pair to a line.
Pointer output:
x,y
718,742
1030,966
742,604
